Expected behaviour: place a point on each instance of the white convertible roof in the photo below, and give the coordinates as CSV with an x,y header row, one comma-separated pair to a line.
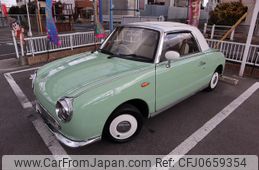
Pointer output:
x,y
175,26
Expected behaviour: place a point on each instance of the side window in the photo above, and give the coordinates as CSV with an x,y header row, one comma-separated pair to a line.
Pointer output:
x,y
183,43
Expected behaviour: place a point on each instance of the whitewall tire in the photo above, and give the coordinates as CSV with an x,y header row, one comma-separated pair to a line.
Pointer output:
x,y
123,124
214,81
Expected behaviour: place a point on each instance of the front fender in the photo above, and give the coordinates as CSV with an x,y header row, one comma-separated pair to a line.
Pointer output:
x,y
92,108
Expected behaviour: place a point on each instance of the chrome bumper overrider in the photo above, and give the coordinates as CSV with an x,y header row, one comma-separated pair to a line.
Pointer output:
x,y
54,127
72,143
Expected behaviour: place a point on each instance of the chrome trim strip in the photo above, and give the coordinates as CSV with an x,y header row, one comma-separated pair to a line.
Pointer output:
x,y
106,39
160,47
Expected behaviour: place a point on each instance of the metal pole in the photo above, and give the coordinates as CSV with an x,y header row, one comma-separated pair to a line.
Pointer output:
x,y
232,35
111,16
138,10
28,17
249,38
21,45
39,16
205,28
188,12
212,31
15,45
101,11
22,59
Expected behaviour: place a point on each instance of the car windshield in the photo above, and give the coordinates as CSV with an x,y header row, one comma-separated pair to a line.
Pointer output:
x,y
132,43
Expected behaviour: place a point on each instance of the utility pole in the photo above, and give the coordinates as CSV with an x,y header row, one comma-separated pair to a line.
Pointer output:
x,y
188,12
39,15
28,17
101,11
111,16
249,38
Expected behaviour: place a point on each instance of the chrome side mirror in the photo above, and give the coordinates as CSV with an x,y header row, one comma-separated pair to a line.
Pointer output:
x,y
171,55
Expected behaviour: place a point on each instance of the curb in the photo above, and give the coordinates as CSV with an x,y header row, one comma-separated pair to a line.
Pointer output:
x,y
229,80
10,64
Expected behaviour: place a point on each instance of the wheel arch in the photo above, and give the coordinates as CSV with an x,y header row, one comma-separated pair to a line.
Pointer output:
x,y
220,69
140,104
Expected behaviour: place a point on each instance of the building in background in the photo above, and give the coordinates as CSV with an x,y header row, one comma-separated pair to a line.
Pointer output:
x,y
42,3
84,8
121,7
22,2
172,10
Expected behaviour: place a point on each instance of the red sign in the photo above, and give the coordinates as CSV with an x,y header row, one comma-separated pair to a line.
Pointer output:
x,y
194,12
4,10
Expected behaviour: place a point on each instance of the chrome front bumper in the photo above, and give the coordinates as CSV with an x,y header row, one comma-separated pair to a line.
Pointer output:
x,y
54,127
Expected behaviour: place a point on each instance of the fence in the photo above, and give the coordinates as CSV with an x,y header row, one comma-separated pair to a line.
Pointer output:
x,y
217,31
39,45
234,51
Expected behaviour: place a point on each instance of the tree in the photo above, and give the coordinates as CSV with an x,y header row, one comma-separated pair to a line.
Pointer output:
x,y
227,13
22,9
31,7
14,10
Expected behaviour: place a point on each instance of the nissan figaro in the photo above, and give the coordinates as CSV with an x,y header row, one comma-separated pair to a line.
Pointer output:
x,y
139,70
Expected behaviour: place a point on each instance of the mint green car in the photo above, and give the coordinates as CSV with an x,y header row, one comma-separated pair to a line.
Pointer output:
x,y
140,70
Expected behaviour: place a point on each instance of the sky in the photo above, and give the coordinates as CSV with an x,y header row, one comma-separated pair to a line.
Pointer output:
x,y
9,2
205,2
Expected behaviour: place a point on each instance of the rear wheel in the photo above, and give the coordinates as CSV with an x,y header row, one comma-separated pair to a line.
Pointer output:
x,y
124,124
214,81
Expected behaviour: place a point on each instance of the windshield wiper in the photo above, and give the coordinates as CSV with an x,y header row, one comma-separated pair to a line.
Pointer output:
x,y
111,55
105,51
137,57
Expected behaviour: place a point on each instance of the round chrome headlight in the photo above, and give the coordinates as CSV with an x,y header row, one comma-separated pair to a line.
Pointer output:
x,y
64,109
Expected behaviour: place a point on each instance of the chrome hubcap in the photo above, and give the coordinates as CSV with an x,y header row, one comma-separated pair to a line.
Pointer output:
x,y
123,127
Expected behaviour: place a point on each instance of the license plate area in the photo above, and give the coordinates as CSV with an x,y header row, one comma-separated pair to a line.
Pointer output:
x,y
48,119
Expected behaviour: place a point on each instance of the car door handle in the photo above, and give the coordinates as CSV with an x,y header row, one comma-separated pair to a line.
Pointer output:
x,y
202,63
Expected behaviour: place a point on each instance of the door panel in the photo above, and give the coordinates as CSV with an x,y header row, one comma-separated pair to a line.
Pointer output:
x,y
187,74
182,79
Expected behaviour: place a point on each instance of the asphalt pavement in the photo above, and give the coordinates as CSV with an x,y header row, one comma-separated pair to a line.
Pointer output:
x,y
237,134
7,50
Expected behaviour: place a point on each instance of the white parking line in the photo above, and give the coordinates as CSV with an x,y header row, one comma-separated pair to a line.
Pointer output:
x,y
49,139
10,43
18,92
24,70
181,150
202,132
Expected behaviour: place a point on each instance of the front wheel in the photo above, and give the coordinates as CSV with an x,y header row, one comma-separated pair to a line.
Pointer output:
x,y
214,81
124,124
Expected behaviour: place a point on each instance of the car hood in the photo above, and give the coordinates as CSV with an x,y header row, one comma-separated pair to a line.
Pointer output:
x,y
74,76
